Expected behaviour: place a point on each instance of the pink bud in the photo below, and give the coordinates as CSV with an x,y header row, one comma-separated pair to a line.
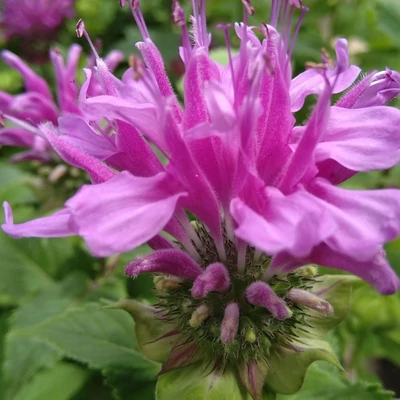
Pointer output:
x,y
261,294
301,297
214,278
230,323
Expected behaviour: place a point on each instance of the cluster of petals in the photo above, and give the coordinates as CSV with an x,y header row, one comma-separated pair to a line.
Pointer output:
x,y
26,111
233,157
25,18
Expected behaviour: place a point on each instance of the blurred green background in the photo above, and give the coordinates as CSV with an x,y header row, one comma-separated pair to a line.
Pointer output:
x,y
55,341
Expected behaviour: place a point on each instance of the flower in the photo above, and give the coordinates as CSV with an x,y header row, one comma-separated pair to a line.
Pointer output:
x,y
235,284
26,111
27,18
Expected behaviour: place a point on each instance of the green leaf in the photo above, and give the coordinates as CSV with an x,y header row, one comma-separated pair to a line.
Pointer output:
x,y
125,381
58,383
289,367
20,275
149,330
193,383
322,383
100,338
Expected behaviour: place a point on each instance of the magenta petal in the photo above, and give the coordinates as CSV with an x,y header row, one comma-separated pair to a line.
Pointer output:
x,y
262,295
169,261
98,172
362,139
56,225
76,131
376,270
365,219
311,82
292,224
141,116
16,137
214,278
230,323
33,82
124,212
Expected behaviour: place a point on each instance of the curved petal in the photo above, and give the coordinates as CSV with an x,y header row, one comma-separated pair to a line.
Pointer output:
x,y
376,270
168,261
362,139
311,82
124,212
365,219
57,225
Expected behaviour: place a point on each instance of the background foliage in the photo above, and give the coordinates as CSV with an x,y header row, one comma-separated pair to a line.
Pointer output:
x,y
55,340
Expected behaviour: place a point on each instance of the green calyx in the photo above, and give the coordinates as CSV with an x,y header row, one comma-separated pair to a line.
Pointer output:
x,y
267,355
259,331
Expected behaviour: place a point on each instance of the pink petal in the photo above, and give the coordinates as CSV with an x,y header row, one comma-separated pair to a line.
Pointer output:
x,y
362,139
169,261
57,225
261,294
124,212
214,278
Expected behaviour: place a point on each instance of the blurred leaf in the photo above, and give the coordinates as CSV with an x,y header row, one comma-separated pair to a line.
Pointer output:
x,y
167,41
13,185
325,384
58,383
97,14
125,382
100,338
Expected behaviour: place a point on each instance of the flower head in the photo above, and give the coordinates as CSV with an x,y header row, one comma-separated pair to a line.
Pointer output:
x,y
28,18
233,281
27,110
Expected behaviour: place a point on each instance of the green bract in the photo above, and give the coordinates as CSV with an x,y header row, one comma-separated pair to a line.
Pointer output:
x,y
279,358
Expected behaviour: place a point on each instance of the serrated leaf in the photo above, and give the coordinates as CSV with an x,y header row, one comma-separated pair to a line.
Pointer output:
x,y
125,382
193,383
100,338
58,383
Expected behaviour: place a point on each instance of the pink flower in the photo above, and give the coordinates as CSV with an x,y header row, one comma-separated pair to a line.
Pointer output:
x,y
27,18
26,111
262,189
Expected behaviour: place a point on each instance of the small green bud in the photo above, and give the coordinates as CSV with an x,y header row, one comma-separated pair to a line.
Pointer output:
x,y
157,279
185,305
250,335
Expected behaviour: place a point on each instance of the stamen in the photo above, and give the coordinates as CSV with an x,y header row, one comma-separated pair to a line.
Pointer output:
x,y
178,17
199,13
226,28
138,15
304,10
248,7
81,31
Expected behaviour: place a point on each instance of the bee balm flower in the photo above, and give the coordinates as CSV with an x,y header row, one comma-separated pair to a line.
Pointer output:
x,y
234,282
27,18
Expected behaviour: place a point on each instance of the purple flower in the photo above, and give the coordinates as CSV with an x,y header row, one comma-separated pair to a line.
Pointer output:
x,y
26,111
27,18
262,190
